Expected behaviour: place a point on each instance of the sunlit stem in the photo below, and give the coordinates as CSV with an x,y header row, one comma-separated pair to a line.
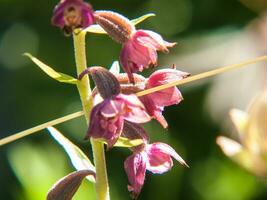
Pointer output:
x,y
39,127
101,185
145,92
203,75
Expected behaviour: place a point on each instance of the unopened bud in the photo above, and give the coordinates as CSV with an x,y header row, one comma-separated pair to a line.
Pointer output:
x,y
117,26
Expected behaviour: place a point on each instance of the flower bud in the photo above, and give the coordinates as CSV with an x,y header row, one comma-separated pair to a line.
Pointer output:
x,y
117,26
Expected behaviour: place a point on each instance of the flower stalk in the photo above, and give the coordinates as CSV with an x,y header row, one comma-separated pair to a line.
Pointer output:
x,y
101,185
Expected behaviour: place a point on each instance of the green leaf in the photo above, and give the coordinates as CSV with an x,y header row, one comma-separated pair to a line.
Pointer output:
x,y
125,142
78,159
142,18
115,68
97,29
64,78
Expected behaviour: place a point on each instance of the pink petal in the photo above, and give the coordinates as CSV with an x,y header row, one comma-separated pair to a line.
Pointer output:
x,y
102,127
111,108
135,167
166,97
134,109
159,156
164,76
154,110
153,40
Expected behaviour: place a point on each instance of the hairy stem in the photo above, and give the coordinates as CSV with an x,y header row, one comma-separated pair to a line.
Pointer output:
x,y
101,185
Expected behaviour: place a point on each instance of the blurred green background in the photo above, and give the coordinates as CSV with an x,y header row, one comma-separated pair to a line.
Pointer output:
x,y
28,167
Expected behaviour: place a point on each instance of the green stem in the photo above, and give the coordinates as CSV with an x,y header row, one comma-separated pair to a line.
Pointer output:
x,y
101,185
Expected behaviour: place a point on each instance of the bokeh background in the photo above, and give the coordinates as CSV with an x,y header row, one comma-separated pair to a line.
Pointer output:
x,y
210,33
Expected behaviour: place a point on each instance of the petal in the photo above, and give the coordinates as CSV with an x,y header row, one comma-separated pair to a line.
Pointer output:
x,y
159,157
164,76
101,127
152,40
135,57
110,108
135,167
112,136
166,97
154,110
94,129
134,110
58,15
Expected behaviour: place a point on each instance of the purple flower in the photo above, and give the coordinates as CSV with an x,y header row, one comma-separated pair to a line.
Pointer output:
x,y
71,14
156,101
140,51
156,157
107,117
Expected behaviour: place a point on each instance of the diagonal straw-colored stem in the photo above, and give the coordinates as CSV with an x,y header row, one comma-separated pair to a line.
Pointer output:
x,y
145,92
40,127
203,75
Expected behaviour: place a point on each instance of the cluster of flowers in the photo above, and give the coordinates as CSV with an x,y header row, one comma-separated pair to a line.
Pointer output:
x,y
120,112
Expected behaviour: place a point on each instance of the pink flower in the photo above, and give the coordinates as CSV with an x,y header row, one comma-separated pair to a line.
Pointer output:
x,y
71,14
107,117
156,157
140,51
156,101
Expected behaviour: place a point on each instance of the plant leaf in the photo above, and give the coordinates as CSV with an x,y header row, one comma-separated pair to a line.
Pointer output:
x,y
97,29
78,159
61,77
142,18
125,142
115,68
66,187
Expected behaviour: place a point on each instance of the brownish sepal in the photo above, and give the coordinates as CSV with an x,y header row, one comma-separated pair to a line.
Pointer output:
x,y
118,27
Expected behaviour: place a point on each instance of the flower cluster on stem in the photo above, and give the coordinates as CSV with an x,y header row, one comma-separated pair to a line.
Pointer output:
x,y
113,108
